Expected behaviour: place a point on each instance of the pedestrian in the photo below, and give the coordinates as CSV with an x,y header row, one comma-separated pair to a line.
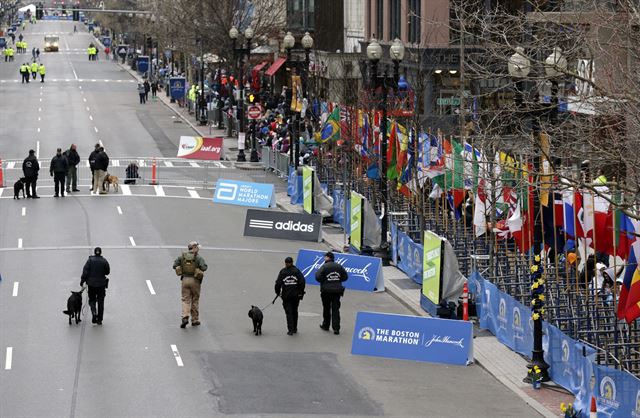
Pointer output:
x,y
34,69
24,72
141,93
33,53
154,89
107,51
190,267
330,276
58,170
147,88
290,287
38,53
30,169
42,70
95,273
73,159
102,164
92,166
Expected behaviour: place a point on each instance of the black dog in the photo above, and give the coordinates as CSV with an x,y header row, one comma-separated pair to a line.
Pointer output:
x,y
74,306
256,316
19,185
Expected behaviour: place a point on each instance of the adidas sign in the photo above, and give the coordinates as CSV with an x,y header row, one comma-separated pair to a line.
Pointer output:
x,y
283,225
294,226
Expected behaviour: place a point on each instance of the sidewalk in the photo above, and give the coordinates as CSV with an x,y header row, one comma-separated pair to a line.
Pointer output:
x,y
502,363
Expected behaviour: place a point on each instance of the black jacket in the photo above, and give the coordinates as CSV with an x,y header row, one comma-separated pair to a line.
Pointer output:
x,y
290,283
59,164
102,161
330,276
92,159
72,157
30,166
95,271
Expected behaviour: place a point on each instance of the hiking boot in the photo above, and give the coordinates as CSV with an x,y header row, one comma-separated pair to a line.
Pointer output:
x,y
184,323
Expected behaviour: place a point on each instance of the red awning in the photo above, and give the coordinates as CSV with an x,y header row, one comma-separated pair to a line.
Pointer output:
x,y
275,66
259,67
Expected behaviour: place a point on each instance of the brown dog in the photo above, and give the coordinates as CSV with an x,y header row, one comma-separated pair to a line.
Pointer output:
x,y
111,180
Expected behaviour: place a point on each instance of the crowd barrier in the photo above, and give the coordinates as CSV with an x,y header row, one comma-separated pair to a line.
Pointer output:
x,y
275,161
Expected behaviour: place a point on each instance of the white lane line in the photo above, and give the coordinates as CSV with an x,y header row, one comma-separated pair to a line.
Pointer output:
x,y
194,164
19,242
1,190
168,164
16,285
194,193
24,211
88,109
95,129
38,130
176,354
39,109
90,117
126,190
100,142
37,149
85,99
9,358
159,190
119,210
39,118
133,243
11,165
150,286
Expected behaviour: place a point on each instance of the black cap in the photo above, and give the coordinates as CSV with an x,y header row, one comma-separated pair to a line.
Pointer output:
x,y
330,256
288,260
97,251
59,150
31,152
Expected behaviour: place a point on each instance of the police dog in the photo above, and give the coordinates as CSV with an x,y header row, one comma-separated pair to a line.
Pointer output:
x,y
111,180
17,187
256,316
74,306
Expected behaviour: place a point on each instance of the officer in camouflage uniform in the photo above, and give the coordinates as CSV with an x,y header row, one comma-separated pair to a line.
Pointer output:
x,y
190,267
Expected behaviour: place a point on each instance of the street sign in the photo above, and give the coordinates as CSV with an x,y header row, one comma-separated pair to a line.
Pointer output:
x,y
254,112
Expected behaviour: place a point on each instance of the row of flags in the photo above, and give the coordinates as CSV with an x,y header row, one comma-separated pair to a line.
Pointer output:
x,y
506,185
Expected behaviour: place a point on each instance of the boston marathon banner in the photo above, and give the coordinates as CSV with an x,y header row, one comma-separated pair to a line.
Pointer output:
x,y
200,148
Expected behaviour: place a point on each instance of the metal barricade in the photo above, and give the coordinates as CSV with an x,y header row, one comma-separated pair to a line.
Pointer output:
x,y
282,164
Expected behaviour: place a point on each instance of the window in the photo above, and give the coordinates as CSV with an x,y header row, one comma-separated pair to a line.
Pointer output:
x,y
394,27
300,14
379,19
415,21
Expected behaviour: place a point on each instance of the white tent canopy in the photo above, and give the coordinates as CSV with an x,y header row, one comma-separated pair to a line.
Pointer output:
x,y
31,8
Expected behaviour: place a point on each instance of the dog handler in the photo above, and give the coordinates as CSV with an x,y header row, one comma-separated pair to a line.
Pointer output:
x,y
95,273
190,267
290,287
330,276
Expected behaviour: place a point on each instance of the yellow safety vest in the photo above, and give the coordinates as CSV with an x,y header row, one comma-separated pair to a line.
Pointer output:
x,y
24,69
34,67
42,70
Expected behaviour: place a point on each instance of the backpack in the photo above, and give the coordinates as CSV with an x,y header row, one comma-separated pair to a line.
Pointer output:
x,y
188,264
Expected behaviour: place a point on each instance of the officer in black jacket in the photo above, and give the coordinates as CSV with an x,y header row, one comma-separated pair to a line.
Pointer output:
x,y
30,168
95,273
72,175
330,276
58,169
290,287
92,166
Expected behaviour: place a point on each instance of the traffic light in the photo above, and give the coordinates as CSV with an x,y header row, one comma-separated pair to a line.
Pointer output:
x,y
251,98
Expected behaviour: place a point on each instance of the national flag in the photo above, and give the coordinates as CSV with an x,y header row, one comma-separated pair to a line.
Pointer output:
x,y
470,156
366,136
629,271
331,129
480,210
632,308
552,235
403,148
392,153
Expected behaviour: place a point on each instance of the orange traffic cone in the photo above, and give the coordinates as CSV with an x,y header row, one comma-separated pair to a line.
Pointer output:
x,y
153,173
1,174
594,410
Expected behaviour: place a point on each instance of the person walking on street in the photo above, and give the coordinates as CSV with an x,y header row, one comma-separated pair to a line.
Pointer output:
x,y
290,287
95,273
37,52
102,164
147,88
92,166
58,169
190,267
42,70
34,69
73,159
154,89
30,169
24,72
33,53
141,92
330,276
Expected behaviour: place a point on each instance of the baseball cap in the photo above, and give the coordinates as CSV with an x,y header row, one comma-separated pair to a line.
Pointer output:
x,y
330,255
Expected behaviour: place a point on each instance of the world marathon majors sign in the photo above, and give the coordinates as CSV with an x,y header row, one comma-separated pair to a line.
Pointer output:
x,y
242,193
365,273
415,338
282,225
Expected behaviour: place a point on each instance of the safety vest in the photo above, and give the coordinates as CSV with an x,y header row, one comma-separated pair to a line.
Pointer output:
x,y
24,45
89,51
10,51
34,67
42,69
24,69
94,51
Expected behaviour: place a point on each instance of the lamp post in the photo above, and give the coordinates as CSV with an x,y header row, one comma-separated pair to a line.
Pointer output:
x,y
288,42
241,52
555,66
374,54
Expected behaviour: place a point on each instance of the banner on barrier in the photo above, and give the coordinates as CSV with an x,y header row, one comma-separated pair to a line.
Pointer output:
x,y
617,392
356,229
339,216
259,195
177,87
365,273
431,266
283,225
308,175
409,255
413,338
142,64
200,148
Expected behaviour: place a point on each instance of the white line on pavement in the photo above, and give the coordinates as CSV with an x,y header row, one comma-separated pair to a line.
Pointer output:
x,y
38,129
19,242
119,210
37,149
39,118
168,164
150,286
85,99
9,358
24,211
133,243
193,193
176,354
90,117
1,190
95,129
88,109
15,289
11,165
159,190
100,142
126,190
41,99
194,164
39,109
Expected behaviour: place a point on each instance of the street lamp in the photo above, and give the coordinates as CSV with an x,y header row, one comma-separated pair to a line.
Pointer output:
x,y
397,54
241,52
555,66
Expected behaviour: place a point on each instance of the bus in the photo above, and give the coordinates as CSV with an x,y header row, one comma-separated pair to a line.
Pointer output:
x,y
51,43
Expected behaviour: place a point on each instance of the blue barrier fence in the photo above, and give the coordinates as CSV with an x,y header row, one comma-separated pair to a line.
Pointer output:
x,y
406,254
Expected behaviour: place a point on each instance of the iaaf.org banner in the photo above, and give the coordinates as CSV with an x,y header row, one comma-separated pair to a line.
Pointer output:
x,y
282,225
200,148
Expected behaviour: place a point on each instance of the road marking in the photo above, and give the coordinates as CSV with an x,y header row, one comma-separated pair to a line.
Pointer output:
x,y
126,190
39,109
85,99
19,242
9,358
24,211
88,109
11,165
38,130
39,118
119,210
133,243
100,142
159,190
193,193
41,99
194,164
91,118
168,164
16,285
95,129
150,286
37,149
176,354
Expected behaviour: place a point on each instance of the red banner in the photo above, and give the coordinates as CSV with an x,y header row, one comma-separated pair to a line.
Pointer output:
x,y
200,148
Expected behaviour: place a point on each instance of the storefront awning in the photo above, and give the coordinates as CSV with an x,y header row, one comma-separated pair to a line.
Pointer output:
x,y
259,67
275,66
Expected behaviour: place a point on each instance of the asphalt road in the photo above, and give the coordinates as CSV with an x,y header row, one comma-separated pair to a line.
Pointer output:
x,y
139,363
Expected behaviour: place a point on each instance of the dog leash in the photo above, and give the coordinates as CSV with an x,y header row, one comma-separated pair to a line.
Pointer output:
x,y
272,302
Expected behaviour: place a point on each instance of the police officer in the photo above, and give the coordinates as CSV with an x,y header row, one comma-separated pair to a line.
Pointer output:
x,y
43,71
24,72
95,273
92,166
34,69
190,267
30,168
72,175
58,169
330,276
290,287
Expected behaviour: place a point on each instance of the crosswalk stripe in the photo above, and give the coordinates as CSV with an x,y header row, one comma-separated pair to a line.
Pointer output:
x,y
115,163
168,164
193,164
11,164
194,194
159,190
126,190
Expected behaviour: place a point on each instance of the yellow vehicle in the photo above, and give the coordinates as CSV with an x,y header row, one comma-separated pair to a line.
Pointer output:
x,y
51,43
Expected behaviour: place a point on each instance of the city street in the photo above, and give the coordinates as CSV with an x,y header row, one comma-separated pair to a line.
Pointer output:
x,y
139,363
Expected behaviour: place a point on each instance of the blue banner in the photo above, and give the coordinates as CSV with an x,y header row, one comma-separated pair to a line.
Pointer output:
x,y
142,64
409,256
106,41
258,195
365,273
338,210
617,393
413,338
177,87
294,186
